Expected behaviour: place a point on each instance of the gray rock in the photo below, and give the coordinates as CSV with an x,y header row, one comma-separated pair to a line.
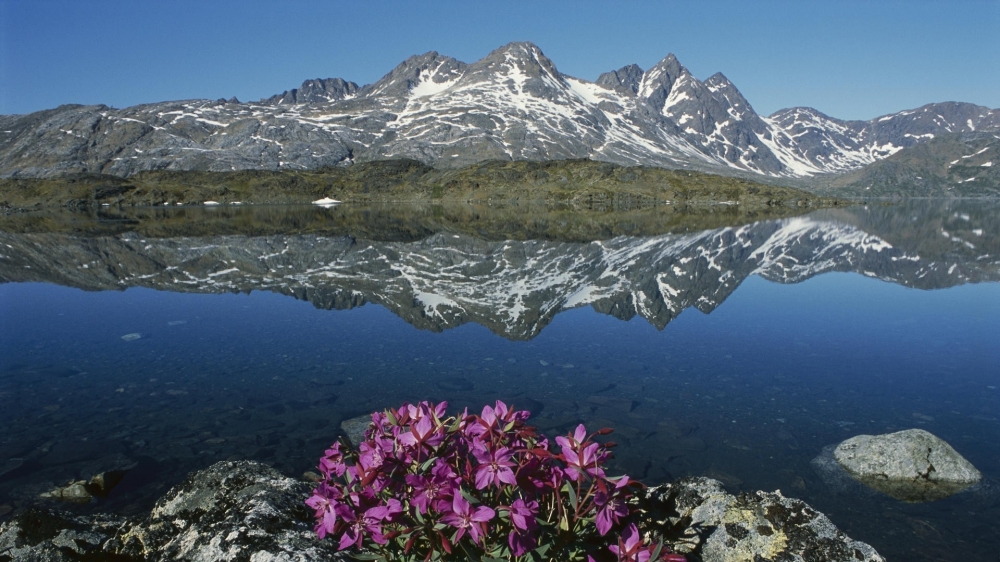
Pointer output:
x,y
912,465
699,518
50,536
75,492
230,511
354,428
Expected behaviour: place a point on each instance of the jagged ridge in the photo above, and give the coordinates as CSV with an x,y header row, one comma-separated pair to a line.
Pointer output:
x,y
513,104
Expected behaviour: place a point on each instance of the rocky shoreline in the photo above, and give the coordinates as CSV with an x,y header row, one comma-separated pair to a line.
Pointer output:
x,y
245,510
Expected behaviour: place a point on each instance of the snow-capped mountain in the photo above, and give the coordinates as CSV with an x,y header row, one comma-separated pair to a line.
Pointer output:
x,y
516,287
512,104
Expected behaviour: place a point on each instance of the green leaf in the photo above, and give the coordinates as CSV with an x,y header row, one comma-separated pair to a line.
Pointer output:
x,y
392,418
364,556
427,463
470,498
656,551
573,500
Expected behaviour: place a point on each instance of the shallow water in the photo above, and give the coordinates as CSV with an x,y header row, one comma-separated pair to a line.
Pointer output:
x,y
734,352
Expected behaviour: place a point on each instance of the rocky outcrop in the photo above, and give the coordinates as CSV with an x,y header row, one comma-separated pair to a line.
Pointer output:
x,y
248,511
230,511
53,536
912,465
703,521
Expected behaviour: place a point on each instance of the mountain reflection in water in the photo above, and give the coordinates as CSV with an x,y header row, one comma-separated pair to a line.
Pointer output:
x,y
516,287
793,361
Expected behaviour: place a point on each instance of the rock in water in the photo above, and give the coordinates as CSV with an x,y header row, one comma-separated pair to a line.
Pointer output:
x,y
354,429
699,518
75,492
131,337
911,465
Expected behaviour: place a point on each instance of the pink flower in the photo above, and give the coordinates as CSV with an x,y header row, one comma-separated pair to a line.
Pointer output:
x,y
494,468
427,490
370,523
611,505
464,520
630,549
332,461
522,538
324,502
580,462
422,433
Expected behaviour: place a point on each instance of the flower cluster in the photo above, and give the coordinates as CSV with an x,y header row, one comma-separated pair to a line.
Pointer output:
x,y
427,486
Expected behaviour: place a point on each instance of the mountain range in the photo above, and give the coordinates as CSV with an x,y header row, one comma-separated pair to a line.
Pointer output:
x,y
514,104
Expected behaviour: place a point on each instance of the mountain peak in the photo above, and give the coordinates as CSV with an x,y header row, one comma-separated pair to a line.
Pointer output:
x,y
522,48
659,81
627,77
521,60
411,72
318,90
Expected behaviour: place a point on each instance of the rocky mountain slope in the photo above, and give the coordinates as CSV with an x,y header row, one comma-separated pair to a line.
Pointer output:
x,y
516,287
514,104
966,164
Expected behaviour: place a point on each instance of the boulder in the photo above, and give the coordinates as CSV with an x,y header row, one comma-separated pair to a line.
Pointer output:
x,y
700,519
238,510
52,536
354,428
912,465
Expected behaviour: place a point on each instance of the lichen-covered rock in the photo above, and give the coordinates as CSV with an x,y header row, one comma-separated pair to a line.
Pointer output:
x,y
700,519
230,511
42,535
912,465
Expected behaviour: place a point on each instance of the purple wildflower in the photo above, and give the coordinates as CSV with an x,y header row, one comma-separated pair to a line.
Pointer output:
x,y
464,520
324,502
611,506
494,467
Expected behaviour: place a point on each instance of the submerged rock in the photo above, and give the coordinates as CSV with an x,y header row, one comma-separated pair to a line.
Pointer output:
x,y
82,491
75,492
354,428
700,519
912,465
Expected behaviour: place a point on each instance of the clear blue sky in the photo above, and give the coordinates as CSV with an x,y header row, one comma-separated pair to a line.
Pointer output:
x,y
850,59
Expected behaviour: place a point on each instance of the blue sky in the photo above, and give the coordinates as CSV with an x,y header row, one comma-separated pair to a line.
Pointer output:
x,y
850,59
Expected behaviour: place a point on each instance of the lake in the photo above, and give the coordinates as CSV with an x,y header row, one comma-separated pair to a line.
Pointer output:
x,y
717,344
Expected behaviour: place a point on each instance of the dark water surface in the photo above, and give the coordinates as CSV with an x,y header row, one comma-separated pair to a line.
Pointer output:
x,y
736,352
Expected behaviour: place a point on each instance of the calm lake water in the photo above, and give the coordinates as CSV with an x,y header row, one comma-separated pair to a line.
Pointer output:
x,y
715,345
